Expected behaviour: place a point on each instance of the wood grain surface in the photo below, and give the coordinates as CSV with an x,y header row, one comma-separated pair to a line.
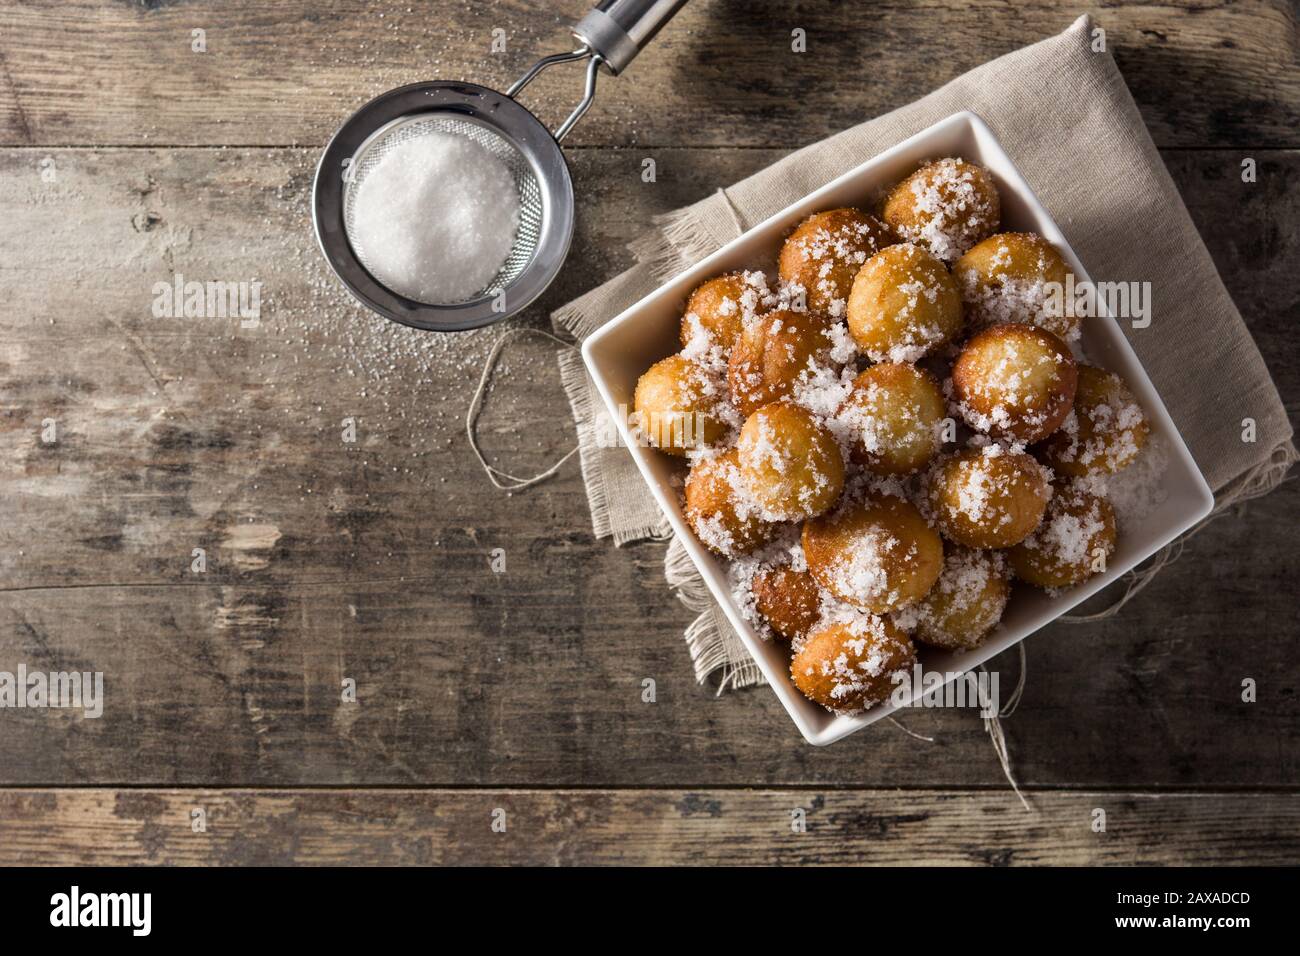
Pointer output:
x,y
100,72
126,159
641,827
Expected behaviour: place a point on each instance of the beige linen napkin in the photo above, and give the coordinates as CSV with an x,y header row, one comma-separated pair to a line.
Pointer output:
x,y
1063,113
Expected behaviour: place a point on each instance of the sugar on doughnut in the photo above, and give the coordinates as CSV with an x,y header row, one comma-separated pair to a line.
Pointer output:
x,y
990,497
678,405
790,463
1006,278
1015,382
877,553
825,252
964,605
904,305
849,666
947,206
789,600
893,416
715,306
773,353
1074,542
1104,431
719,509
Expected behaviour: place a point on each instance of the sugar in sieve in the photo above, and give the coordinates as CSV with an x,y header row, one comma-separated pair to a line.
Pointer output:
x,y
610,36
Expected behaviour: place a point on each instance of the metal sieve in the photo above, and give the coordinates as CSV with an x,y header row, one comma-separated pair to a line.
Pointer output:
x,y
611,35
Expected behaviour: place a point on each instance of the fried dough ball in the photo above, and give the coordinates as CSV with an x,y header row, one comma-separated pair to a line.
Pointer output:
x,y
1074,542
1103,432
789,600
1004,279
965,604
877,554
1015,382
849,667
718,508
825,252
946,206
894,413
676,403
904,305
773,353
988,497
791,465
715,306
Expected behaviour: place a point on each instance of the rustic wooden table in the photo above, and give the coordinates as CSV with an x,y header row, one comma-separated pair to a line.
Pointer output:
x,y
129,157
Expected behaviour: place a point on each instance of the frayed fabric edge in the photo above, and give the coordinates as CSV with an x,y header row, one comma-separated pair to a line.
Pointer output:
x,y
573,378
678,241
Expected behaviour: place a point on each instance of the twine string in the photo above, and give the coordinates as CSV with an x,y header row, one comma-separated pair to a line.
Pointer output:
x,y
911,733
503,480
993,724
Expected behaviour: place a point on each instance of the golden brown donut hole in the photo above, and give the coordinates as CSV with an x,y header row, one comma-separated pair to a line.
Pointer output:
x,y
878,554
825,252
894,414
965,604
1005,278
848,667
718,509
988,497
904,305
675,405
716,304
1074,542
789,600
791,465
772,354
1104,431
1015,382
946,206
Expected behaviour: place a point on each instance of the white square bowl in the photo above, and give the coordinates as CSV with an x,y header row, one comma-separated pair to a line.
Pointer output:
x,y
625,347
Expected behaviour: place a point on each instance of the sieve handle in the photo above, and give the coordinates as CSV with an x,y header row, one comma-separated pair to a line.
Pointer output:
x,y
612,34
594,61
617,30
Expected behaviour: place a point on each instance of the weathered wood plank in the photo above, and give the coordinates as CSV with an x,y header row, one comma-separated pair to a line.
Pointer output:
x,y
723,74
656,827
184,433
1253,232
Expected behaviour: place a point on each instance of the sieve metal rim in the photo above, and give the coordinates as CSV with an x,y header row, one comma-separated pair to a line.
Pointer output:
x,y
469,101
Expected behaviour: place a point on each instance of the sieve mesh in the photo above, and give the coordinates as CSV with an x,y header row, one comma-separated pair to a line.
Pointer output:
x,y
531,206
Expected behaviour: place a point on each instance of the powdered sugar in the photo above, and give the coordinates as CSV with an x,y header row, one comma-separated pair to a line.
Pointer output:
x,y
949,214
436,218
1137,490
863,567
1068,537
